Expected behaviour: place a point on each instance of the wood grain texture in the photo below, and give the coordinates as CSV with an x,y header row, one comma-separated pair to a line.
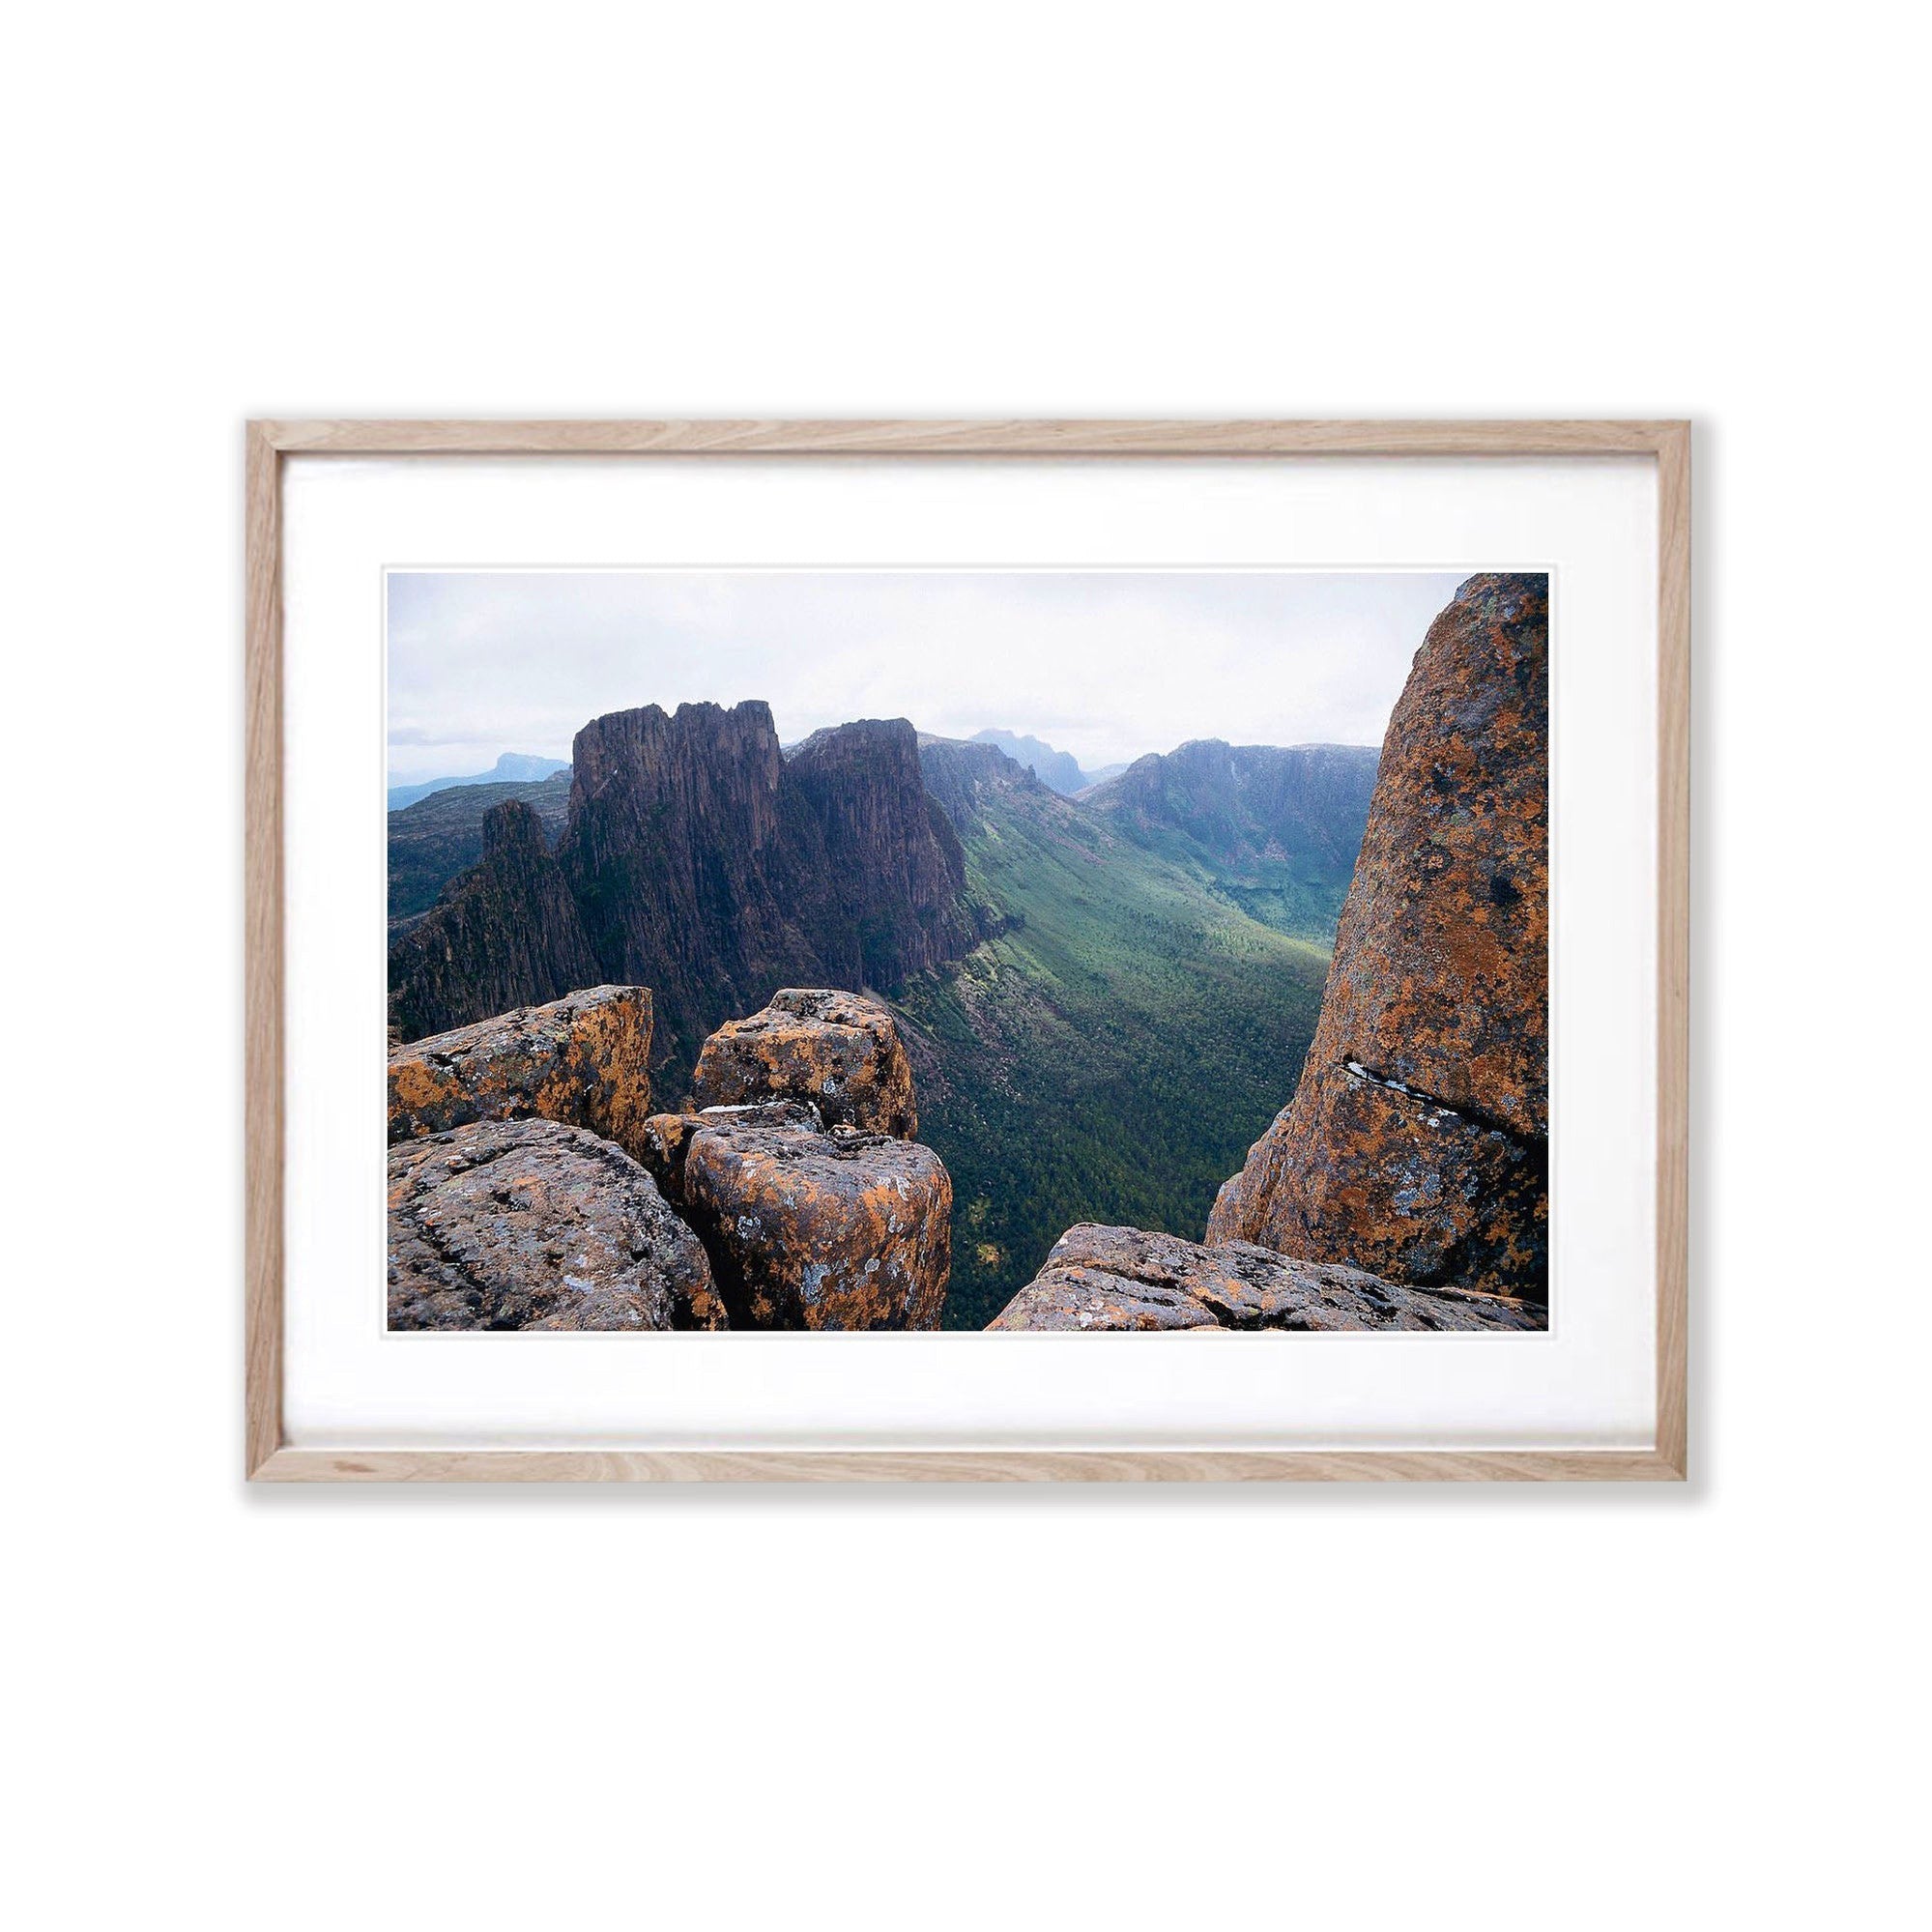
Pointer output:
x,y
1673,947
268,1460
1018,1465
263,992
1073,438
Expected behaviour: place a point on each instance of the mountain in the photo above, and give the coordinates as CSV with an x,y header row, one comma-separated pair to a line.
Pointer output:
x,y
442,835
697,860
1271,830
715,869
1057,768
1099,1029
513,768
505,934
1110,1051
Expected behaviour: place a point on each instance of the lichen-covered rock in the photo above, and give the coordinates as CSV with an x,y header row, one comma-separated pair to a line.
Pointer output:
x,y
810,1227
583,1059
528,1223
1416,1144
838,1050
1123,1278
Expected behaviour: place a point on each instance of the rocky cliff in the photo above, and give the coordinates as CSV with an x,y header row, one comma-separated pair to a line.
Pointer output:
x,y
698,861
1276,827
505,934
439,837
1060,769
713,869
1416,1144
895,867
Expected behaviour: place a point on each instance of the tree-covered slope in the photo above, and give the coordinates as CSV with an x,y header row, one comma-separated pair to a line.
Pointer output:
x,y
1273,830
1111,1053
441,835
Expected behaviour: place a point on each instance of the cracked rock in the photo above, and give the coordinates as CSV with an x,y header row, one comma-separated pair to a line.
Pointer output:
x,y
531,1223
1123,1278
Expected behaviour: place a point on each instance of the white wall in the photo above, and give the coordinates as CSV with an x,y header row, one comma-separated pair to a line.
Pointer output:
x,y
1388,1708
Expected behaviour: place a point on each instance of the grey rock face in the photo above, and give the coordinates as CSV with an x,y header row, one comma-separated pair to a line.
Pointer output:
x,y
531,1223
1123,1278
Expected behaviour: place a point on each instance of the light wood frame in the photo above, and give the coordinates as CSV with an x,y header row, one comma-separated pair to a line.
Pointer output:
x,y
268,1459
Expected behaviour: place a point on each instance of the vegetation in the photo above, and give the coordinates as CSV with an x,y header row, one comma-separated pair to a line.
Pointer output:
x,y
1110,1055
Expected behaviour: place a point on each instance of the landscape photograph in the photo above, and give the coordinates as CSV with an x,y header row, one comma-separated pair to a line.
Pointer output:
x,y
1009,950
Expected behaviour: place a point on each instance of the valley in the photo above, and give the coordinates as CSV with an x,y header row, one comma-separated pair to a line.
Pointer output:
x,y
1106,997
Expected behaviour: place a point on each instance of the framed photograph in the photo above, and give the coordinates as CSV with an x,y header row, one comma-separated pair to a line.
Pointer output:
x,y
960,951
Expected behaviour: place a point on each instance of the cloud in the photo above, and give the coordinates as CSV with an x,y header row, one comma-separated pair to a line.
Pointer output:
x,y
1104,663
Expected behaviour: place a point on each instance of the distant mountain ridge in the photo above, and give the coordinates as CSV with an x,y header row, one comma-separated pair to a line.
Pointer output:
x,y
1058,769
437,837
513,768
1271,828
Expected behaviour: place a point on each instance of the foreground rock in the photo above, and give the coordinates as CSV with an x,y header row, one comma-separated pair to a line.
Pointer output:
x,y
1121,1277
528,1223
583,1059
504,934
837,1051
1416,1145
808,1227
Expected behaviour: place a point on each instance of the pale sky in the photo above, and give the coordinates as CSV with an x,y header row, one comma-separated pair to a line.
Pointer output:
x,y
1104,663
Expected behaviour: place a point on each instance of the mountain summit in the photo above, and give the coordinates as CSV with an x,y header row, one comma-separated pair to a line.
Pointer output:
x,y
1057,768
512,767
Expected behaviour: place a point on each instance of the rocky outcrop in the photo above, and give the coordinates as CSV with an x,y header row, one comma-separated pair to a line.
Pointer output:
x,y
715,869
505,934
838,1050
528,1223
810,1229
1121,1277
584,1060
441,836
1416,1144
962,776
895,862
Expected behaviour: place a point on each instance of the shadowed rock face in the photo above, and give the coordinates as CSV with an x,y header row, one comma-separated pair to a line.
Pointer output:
x,y
1121,1277
1416,1145
441,837
896,864
583,1059
708,867
838,1050
810,1229
528,1223
504,935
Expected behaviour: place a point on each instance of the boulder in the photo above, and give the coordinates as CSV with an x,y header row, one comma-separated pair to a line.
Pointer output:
x,y
808,1226
1122,1277
583,1059
1416,1142
838,1050
530,1223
